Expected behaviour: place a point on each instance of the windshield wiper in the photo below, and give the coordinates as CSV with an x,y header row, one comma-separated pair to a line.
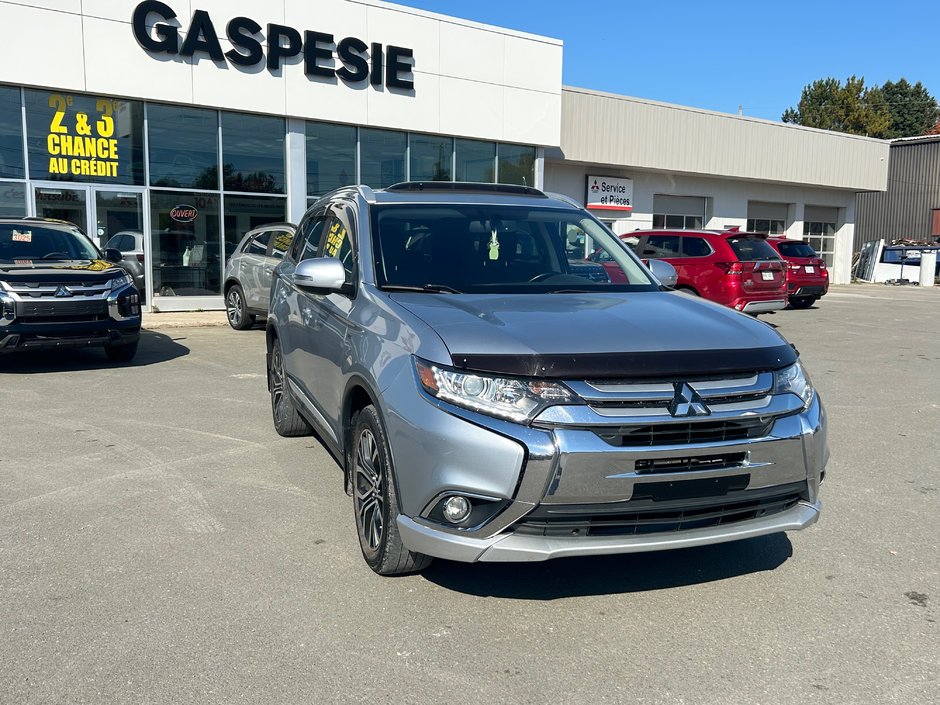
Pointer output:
x,y
430,288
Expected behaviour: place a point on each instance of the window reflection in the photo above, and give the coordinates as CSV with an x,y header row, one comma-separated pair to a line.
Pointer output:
x,y
431,158
185,241
331,157
11,134
382,157
476,161
244,213
516,165
184,147
252,153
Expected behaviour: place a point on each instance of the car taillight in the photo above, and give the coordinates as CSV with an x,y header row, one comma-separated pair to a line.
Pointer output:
x,y
732,268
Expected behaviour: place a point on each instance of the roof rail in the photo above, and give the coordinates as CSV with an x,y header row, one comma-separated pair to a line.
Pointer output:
x,y
567,199
466,186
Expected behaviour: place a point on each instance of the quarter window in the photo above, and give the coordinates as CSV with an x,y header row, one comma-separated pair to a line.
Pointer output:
x,y
695,247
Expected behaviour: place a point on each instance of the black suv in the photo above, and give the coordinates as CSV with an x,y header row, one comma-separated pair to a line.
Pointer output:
x,y
58,290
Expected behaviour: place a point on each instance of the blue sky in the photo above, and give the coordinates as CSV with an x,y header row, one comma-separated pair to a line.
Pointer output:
x,y
721,55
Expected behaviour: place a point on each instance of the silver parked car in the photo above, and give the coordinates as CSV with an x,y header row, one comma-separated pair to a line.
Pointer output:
x,y
488,402
247,277
131,244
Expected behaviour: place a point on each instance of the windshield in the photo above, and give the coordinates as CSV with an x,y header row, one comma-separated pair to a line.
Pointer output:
x,y
796,249
28,241
752,249
500,249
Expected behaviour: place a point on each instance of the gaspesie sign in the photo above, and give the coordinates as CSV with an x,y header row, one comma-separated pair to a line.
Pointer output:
x,y
354,60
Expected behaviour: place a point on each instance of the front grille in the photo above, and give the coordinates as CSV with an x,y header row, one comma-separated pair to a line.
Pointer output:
x,y
666,434
722,461
34,291
60,311
652,520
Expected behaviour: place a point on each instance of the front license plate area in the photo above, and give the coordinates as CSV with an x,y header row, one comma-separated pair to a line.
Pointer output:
x,y
690,489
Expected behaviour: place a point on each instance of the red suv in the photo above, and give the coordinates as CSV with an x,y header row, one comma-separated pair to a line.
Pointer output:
x,y
729,267
807,276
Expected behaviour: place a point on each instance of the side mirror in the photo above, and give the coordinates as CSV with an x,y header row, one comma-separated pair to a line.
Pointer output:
x,y
113,255
320,273
664,271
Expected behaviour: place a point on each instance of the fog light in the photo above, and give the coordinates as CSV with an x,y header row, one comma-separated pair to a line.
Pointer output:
x,y
456,509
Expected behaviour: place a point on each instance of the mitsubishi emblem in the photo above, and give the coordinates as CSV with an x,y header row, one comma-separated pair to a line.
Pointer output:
x,y
63,292
687,402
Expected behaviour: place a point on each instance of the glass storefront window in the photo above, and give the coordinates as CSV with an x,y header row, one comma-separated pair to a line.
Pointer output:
x,y
253,153
184,147
244,213
431,158
476,161
74,137
331,157
184,231
516,165
12,199
12,164
382,157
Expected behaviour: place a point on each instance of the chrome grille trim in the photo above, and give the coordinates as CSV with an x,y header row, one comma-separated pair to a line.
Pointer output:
x,y
31,291
758,384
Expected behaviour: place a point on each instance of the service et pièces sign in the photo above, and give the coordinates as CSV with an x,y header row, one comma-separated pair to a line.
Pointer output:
x,y
607,193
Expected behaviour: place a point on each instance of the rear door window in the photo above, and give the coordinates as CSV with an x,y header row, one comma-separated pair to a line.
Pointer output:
x,y
258,245
695,247
280,243
752,249
662,246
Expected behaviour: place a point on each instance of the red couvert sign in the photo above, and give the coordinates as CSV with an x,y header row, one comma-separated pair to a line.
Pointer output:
x,y
184,214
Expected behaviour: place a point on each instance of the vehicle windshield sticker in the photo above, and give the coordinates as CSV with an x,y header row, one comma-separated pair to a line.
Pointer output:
x,y
335,239
494,245
282,242
22,236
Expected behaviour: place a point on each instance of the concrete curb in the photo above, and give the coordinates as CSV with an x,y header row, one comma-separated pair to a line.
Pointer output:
x,y
184,319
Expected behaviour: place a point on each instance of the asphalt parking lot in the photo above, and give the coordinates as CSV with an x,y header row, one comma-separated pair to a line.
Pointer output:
x,y
159,543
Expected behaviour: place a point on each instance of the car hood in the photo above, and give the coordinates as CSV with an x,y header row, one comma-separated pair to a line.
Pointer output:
x,y
645,334
62,271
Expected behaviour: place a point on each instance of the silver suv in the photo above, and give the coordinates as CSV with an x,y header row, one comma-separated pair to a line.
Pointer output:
x,y
487,402
247,276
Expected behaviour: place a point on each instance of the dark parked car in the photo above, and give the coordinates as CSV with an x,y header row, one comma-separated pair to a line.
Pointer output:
x,y
807,275
730,267
57,290
488,402
248,272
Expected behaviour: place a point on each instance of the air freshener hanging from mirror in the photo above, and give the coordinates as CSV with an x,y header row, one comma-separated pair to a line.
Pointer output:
x,y
494,245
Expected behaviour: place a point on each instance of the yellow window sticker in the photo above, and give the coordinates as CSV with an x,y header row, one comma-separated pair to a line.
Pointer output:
x,y
334,239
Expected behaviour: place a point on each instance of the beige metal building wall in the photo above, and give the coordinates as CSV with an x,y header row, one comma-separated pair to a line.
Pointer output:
x,y
607,129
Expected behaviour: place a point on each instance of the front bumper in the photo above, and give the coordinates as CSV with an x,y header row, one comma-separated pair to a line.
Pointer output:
x,y
69,323
535,476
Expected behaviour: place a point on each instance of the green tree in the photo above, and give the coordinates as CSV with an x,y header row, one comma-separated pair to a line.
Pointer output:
x,y
913,110
829,105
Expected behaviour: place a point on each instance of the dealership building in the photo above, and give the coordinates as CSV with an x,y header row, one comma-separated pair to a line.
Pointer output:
x,y
193,122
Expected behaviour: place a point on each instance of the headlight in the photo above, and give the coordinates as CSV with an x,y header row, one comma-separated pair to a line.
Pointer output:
x,y
513,398
120,281
794,380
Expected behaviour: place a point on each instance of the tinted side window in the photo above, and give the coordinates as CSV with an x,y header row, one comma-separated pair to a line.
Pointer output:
x,y
695,247
309,244
258,245
662,246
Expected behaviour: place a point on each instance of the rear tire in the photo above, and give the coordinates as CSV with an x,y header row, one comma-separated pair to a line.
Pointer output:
x,y
802,301
287,420
375,502
121,353
237,310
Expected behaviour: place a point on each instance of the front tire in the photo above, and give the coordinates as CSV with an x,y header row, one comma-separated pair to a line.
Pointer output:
x,y
121,353
375,501
287,420
237,310
802,301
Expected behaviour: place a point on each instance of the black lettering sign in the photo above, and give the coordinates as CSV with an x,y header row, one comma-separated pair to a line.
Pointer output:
x,y
350,59
169,38
241,31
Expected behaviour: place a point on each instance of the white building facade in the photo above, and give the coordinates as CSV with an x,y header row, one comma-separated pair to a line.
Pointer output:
x,y
193,121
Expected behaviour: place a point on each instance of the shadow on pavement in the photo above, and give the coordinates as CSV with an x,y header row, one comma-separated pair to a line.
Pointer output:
x,y
155,347
604,575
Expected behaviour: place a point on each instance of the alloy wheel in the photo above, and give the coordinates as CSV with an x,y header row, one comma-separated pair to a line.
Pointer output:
x,y
370,491
233,307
